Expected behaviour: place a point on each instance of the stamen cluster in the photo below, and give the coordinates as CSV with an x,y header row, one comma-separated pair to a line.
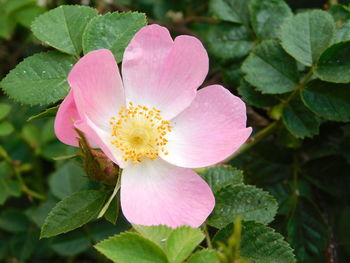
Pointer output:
x,y
139,132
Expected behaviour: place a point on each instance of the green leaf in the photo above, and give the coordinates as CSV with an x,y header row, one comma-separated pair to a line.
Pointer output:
x,y
71,244
340,13
39,213
328,100
306,35
73,212
181,242
307,232
260,244
299,120
157,234
343,33
203,256
270,69
228,42
63,27
230,10
267,17
14,221
254,97
112,212
245,201
49,112
39,79
334,65
112,31
26,15
67,180
7,23
24,245
31,134
131,247
12,6
219,177
5,109
6,128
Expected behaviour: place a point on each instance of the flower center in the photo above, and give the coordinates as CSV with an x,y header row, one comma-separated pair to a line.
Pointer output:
x,y
139,132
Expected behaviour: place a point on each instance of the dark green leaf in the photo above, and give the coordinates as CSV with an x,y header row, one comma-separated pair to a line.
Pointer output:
x,y
259,244
27,14
73,212
112,212
39,213
267,16
112,31
50,112
228,42
219,177
245,201
67,180
131,247
343,33
307,233
71,244
39,79
230,10
340,13
24,245
13,221
306,35
270,69
328,100
334,64
254,97
299,120
7,23
63,27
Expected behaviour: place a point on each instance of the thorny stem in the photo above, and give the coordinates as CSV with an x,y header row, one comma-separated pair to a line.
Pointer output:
x,y
207,236
115,191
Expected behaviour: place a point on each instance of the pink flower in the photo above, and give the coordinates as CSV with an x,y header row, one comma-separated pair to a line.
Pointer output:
x,y
154,124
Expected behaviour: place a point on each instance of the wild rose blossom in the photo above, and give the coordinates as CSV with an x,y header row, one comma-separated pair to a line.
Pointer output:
x,y
154,123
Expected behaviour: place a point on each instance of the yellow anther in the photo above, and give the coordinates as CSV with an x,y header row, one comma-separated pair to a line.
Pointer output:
x,y
139,132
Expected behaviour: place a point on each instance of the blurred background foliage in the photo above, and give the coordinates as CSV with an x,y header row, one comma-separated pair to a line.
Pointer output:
x,y
304,163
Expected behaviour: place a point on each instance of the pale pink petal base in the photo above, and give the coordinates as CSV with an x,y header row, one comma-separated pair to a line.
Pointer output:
x,y
97,87
155,192
162,73
103,139
209,130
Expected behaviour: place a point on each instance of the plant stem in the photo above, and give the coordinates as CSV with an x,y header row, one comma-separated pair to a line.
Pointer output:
x,y
115,191
207,236
255,139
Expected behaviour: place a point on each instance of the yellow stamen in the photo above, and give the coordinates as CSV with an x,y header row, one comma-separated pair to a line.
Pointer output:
x,y
139,132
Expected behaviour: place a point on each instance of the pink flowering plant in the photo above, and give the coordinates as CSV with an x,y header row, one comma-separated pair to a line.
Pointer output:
x,y
149,138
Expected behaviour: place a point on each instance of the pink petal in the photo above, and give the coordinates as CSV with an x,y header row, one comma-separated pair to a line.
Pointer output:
x,y
102,138
97,87
162,73
208,131
66,115
156,192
